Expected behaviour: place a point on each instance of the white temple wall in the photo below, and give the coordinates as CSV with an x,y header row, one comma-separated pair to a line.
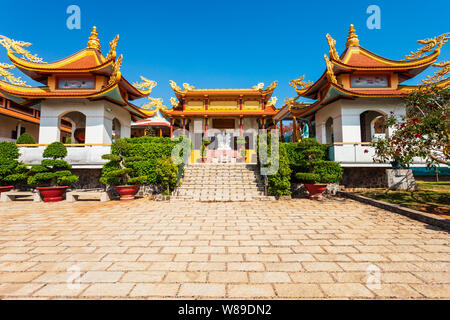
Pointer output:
x,y
99,116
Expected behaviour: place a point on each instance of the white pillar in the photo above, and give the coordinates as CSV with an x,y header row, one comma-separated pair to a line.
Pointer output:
x,y
49,126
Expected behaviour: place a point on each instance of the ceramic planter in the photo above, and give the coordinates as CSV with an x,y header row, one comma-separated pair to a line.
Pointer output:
x,y
315,190
126,192
6,189
52,194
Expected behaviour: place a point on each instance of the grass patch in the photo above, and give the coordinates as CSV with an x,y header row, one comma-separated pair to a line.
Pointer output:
x,y
431,196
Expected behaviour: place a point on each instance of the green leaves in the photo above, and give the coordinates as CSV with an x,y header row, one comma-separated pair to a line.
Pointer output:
x,y
55,150
11,170
25,138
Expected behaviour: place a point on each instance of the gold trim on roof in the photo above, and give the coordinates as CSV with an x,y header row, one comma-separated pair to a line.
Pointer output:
x,y
147,85
8,76
188,87
270,88
154,104
332,44
330,73
259,86
175,87
112,49
272,102
174,101
445,70
352,39
17,47
434,44
116,75
299,85
94,42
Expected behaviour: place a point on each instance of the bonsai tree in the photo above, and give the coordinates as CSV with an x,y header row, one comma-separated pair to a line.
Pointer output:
x,y
119,170
314,168
53,170
241,146
25,138
12,172
167,172
204,151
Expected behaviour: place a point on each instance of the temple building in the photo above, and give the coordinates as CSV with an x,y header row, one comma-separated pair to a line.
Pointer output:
x,y
157,123
355,92
221,116
84,97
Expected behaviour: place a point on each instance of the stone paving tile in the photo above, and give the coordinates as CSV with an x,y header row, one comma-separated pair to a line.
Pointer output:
x,y
287,249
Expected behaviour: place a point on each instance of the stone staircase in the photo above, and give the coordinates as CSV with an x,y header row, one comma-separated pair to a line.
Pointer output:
x,y
220,182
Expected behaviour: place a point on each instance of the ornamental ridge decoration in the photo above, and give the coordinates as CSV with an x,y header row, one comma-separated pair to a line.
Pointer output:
x,y
434,44
112,49
330,74
187,87
9,77
445,70
332,45
154,104
174,101
13,46
116,75
299,85
146,86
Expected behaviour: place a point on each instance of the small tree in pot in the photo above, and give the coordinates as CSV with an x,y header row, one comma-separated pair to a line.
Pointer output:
x,y
204,151
316,171
12,172
53,175
119,172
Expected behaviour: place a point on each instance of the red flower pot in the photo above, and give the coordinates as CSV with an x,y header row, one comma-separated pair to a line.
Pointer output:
x,y
52,194
6,189
315,190
126,192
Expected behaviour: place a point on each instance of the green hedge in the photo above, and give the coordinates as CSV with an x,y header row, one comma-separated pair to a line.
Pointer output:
x,y
151,150
26,138
12,172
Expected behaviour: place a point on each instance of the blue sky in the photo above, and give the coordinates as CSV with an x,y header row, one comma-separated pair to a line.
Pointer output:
x,y
224,44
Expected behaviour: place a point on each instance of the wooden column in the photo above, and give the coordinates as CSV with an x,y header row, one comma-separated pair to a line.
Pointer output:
x,y
294,129
171,128
240,126
263,102
206,102
240,102
263,123
206,126
184,127
281,130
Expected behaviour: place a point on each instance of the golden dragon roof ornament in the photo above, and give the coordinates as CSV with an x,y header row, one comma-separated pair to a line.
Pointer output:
x,y
13,46
434,44
445,70
112,49
330,73
187,87
146,86
272,102
116,75
332,44
259,86
270,88
8,76
174,101
154,104
299,85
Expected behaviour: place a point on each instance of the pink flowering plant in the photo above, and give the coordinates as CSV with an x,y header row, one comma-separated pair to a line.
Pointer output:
x,y
424,132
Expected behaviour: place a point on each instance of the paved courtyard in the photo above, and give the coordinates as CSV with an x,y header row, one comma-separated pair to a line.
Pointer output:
x,y
287,249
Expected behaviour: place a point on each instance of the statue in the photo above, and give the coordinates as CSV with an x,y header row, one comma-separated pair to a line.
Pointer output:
x,y
223,141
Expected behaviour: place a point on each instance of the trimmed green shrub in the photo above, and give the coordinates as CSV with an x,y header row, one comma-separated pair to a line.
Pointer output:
x,y
12,172
53,170
313,166
119,171
25,138
167,173
279,184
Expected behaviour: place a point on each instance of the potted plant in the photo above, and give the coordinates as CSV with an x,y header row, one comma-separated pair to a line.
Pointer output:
x,y
316,171
204,151
119,171
240,142
12,172
53,175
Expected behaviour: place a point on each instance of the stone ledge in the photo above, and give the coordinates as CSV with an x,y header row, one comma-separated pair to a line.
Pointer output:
x,y
410,213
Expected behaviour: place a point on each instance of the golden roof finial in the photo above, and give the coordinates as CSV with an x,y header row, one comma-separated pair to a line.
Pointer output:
x,y
94,42
352,39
